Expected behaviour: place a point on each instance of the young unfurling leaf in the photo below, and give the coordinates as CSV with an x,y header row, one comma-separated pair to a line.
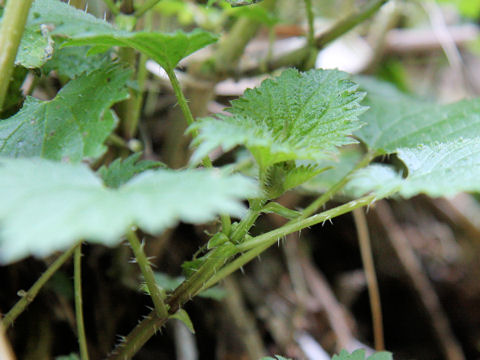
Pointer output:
x,y
296,116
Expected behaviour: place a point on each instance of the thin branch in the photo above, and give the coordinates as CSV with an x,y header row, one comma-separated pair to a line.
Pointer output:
x,y
157,294
30,295
145,7
77,280
341,27
372,283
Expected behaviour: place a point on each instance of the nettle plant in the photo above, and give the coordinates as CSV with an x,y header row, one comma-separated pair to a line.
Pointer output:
x,y
318,129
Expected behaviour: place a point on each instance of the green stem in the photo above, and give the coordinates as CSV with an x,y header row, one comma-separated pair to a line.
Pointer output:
x,y
156,292
319,202
30,295
245,225
182,101
348,23
183,293
259,244
112,7
210,273
77,281
187,113
131,125
127,108
145,7
311,29
11,31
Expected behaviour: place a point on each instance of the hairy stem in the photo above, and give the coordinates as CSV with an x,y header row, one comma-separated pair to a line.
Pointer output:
x,y
183,293
259,244
157,294
182,102
11,31
245,225
77,281
210,273
30,295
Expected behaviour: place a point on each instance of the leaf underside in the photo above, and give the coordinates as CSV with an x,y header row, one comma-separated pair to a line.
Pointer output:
x,y
47,206
73,125
296,116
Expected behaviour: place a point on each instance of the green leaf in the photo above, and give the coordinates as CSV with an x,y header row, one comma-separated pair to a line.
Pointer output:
x,y
437,143
47,206
442,169
84,29
256,13
360,355
53,18
64,20
166,49
296,116
72,356
122,170
73,61
73,126
183,316
396,120
35,49
286,175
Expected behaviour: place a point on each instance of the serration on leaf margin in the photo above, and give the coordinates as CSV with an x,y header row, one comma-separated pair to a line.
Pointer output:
x,y
295,116
48,206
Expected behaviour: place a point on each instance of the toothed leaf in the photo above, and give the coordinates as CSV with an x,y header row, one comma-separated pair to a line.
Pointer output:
x,y
47,206
396,120
442,169
296,116
73,125
82,28
437,143
122,170
166,49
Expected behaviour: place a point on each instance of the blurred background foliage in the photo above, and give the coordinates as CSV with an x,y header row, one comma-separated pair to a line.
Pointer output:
x,y
309,295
